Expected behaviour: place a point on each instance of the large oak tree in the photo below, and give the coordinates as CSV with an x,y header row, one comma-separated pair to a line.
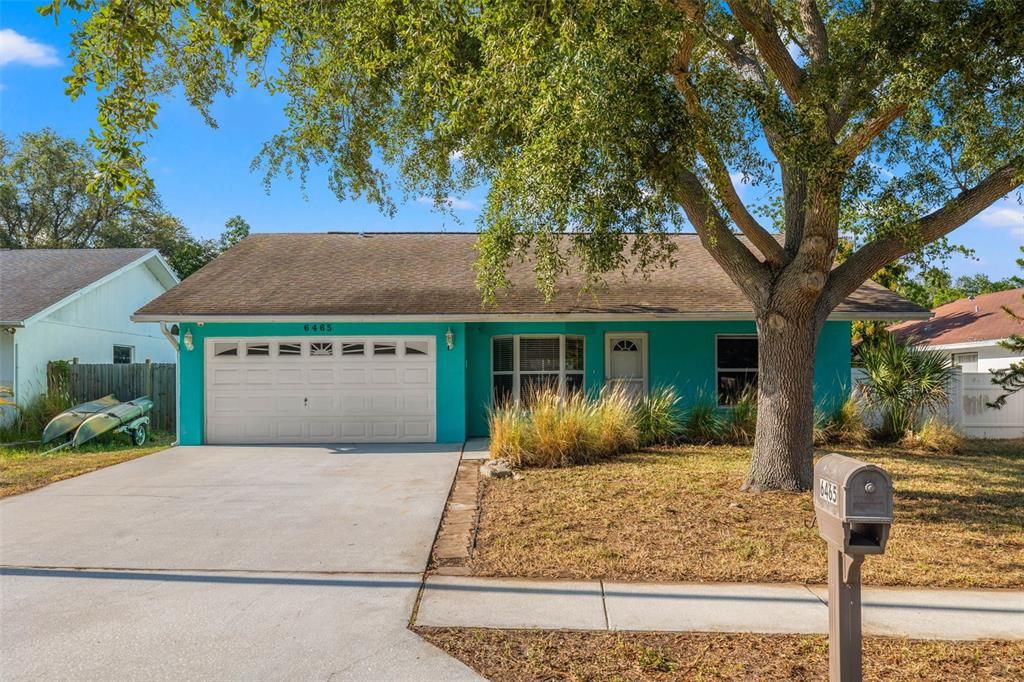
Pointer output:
x,y
885,122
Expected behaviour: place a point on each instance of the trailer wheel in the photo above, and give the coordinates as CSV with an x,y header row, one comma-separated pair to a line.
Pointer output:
x,y
139,435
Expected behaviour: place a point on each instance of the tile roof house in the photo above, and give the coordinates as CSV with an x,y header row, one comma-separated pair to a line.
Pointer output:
x,y
59,304
382,337
969,330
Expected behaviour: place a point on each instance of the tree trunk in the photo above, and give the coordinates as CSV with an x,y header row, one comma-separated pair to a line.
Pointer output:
x,y
784,439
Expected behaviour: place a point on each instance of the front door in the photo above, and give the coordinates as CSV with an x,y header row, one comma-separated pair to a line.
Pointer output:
x,y
626,362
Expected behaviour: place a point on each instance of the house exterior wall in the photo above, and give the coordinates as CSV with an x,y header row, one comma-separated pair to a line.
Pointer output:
x,y
681,354
88,327
990,355
6,373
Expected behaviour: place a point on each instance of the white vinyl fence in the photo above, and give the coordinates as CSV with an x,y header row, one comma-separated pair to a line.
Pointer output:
x,y
968,410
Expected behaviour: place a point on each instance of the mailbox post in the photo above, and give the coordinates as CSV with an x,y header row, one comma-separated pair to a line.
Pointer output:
x,y
853,506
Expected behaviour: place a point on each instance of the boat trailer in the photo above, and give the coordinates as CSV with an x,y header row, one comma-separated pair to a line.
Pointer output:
x,y
82,423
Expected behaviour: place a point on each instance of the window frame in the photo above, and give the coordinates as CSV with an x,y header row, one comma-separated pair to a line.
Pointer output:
x,y
517,374
959,364
113,354
719,369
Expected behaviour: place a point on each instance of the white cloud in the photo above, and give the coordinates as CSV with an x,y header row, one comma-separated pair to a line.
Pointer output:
x,y
1003,215
18,49
450,202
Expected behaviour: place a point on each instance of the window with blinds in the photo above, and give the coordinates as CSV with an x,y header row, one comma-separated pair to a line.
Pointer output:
x,y
521,366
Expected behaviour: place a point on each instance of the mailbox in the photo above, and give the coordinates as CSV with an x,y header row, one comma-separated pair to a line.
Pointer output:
x,y
853,503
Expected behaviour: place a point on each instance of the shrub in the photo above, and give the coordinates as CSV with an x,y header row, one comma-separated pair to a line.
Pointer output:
x,y
556,430
658,420
703,424
902,382
845,425
30,419
934,435
741,422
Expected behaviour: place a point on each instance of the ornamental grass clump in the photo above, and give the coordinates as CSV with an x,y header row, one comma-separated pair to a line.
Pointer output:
x,y
703,424
552,430
844,426
658,418
741,422
934,435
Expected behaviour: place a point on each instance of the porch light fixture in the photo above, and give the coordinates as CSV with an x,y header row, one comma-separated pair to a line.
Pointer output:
x,y
449,338
188,340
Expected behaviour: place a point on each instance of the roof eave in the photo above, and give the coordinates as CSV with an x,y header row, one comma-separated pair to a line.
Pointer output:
x,y
841,316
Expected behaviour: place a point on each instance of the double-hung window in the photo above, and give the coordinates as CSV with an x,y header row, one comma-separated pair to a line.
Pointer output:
x,y
523,365
736,368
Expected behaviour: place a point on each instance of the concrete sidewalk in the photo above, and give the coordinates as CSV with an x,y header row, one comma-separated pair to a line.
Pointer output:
x,y
450,601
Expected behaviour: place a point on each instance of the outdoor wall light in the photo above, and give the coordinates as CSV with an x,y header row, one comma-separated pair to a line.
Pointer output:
x,y
188,340
449,338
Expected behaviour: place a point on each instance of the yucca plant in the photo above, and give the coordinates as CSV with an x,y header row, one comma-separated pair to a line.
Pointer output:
x,y
902,382
658,418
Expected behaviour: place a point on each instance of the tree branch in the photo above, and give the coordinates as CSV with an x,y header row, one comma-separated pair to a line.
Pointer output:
x,y
771,47
814,27
750,274
874,255
758,236
862,137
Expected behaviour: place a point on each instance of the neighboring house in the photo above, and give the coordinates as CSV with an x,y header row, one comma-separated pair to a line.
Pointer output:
x,y
60,304
382,337
969,330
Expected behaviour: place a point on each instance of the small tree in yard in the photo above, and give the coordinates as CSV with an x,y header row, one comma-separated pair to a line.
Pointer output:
x,y
598,125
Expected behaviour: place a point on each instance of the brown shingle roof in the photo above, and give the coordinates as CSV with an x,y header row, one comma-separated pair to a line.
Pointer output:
x,y
981,318
432,274
32,280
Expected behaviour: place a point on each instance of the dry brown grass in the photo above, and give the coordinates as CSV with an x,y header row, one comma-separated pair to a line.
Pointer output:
x,y
678,515
27,468
535,655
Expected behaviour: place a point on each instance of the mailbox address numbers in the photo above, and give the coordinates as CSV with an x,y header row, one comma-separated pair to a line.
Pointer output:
x,y
828,491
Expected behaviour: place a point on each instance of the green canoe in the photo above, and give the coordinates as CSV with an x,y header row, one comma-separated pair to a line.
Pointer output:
x,y
110,419
66,422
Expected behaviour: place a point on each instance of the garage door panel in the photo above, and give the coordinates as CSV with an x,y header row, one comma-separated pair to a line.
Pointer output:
x,y
417,375
262,376
293,376
384,376
321,375
286,394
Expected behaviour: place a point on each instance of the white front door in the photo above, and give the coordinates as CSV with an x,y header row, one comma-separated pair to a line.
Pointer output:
x,y
321,390
626,362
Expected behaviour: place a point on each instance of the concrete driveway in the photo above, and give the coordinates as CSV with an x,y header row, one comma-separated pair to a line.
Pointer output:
x,y
226,563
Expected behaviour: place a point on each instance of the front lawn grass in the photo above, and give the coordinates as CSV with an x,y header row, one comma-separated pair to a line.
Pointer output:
x,y
678,515
25,467
537,655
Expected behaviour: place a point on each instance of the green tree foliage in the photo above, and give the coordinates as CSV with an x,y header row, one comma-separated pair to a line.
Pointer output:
x,y
599,125
45,203
1011,379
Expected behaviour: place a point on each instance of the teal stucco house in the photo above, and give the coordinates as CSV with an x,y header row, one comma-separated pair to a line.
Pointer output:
x,y
328,338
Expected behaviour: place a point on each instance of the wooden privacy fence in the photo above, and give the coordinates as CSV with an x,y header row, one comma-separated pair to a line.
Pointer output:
x,y
85,382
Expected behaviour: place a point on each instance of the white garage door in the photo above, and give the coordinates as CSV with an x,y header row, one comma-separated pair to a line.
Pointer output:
x,y
321,390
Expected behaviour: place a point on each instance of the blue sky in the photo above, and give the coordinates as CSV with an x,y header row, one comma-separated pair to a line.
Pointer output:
x,y
203,174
